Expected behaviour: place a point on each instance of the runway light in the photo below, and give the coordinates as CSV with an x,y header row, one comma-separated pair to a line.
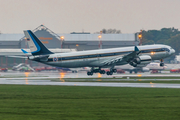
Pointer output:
x,y
26,74
77,45
139,75
26,81
140,36
99,36
99,80
151,83
99,75
62,37
62,76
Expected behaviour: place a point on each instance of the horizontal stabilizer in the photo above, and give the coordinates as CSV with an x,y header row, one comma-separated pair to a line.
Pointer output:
x,y
17,56
25,52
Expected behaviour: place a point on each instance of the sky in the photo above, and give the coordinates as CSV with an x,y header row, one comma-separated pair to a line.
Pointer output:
x,y
65,16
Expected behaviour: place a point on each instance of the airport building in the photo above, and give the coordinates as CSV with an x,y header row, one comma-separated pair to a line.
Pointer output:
x,y
67,42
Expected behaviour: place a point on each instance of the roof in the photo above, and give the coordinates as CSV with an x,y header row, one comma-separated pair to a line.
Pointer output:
x,y
94,37
11,37
77,37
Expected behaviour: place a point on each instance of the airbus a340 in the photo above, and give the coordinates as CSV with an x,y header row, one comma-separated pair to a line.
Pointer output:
x,y
96,59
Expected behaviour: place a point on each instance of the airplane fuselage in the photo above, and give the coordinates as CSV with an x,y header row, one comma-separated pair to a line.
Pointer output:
x,y
96,58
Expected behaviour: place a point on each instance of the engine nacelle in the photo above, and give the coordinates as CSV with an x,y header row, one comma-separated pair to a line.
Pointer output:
x,y
137,60
145,59
141,61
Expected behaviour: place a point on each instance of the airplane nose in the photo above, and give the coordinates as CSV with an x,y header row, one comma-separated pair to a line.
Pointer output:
x,y
173,51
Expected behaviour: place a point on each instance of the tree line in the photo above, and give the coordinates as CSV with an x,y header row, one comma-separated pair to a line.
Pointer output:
x,y
167,36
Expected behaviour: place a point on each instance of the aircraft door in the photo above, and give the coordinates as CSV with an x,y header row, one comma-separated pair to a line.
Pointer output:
x,y
59,58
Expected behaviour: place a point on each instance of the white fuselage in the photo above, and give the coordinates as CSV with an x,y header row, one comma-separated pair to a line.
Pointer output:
x,y
96,58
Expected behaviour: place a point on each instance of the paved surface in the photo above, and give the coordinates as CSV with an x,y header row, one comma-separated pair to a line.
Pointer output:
x,y
48,82
56,74
26,79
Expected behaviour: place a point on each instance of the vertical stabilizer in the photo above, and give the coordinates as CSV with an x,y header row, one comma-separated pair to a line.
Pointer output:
x,y
35,45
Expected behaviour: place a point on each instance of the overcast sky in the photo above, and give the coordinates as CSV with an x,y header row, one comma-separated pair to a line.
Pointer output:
x,y
65,16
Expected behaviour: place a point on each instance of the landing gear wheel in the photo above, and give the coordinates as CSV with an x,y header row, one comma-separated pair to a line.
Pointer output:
x,y
102,72
89,73
135,65
109,73
162,64
114,70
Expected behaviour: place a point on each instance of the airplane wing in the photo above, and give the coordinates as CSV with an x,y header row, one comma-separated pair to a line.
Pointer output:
x,y
132,55
126,58
18,56
112,61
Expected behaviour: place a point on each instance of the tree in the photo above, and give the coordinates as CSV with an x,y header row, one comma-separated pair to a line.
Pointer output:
x,y
110,31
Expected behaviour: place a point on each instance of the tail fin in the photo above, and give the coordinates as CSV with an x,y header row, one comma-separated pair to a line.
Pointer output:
x,y
35,45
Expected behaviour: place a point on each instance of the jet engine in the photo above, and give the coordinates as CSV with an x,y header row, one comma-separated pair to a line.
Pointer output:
x,y
140,61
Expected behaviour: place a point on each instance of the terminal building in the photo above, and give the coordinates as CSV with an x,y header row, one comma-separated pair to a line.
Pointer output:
x,y
62,42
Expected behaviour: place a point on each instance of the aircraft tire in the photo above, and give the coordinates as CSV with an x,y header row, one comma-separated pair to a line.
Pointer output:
x,y
114,70
89,73
102,72
111,73
135,65
161,64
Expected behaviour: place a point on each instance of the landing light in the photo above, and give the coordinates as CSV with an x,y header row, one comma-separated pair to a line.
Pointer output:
x,y
152,53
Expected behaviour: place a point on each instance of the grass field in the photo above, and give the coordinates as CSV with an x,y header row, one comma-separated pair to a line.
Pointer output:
x,y
24,102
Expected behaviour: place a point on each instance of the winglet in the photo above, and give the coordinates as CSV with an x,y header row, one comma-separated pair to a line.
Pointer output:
x,y
136,48
25,52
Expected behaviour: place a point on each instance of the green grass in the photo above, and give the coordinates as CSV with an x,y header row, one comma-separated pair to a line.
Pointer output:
x,y
24,102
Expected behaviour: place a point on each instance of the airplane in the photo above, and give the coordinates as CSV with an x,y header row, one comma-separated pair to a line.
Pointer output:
x,y
147,68
136,56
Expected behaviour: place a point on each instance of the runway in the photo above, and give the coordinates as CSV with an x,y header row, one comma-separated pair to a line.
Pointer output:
x,y
45,79
104,84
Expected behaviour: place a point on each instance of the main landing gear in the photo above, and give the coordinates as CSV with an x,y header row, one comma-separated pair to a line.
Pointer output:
x,y
101,71
162,63
111,71
96,71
